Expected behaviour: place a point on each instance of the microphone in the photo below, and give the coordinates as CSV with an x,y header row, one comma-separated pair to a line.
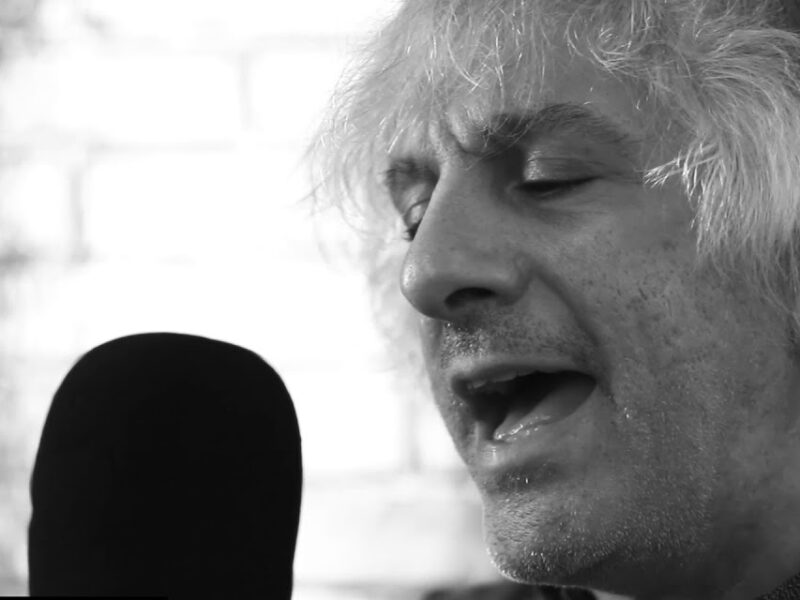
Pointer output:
x,y
169,465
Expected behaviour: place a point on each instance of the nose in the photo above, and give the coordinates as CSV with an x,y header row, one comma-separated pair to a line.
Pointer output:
x,y
463,256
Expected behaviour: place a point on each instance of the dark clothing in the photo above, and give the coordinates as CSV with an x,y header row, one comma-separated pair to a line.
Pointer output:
x,y
168,465
515,591
788,591
509,591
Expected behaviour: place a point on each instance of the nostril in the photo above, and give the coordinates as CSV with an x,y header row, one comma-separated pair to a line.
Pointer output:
x,y
464,296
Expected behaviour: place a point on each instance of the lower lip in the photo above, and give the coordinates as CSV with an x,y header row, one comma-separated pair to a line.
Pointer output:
x,y
528,445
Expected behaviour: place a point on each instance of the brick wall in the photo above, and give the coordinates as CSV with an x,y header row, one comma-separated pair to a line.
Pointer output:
x,y
152,180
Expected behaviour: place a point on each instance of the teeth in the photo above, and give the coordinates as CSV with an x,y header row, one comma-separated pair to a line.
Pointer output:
x,y
503,378
476,385
496,383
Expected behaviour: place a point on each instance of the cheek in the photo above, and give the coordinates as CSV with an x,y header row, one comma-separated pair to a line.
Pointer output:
x,y
698,366
663,330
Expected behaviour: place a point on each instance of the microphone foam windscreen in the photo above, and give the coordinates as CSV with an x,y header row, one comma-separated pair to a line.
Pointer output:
x,y
168,465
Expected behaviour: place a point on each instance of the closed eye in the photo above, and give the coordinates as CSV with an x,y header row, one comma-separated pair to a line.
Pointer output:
x,y
546,188
412,218
410,232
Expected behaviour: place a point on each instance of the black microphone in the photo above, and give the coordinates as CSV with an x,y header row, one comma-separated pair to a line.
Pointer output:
x,y
169,465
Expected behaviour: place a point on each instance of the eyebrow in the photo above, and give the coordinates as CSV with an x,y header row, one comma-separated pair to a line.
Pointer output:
x,y
504,130
507,129
408,169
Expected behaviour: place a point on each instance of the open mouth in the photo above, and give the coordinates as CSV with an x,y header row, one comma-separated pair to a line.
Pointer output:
x,y
515,404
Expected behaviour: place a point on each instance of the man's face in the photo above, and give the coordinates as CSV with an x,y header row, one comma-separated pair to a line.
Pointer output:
x,y
625,412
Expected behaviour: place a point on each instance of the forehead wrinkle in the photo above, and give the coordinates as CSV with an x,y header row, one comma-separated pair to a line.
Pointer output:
x,y
502,130
482,134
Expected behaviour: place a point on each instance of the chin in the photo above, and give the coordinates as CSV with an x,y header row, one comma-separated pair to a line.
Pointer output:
x,y
544,541
606,540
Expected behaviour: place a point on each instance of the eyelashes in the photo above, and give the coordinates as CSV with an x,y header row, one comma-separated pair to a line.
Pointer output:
x,y
410,232
538,190
545,189
412,219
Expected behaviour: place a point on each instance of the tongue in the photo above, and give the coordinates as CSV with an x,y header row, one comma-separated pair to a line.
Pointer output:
x,y
531,409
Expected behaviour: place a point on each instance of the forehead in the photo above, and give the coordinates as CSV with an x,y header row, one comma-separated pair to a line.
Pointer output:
x,y
437,83
574,99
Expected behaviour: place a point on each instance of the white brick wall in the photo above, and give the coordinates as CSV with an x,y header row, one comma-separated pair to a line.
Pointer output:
x,y
152,177
124,96
236,22
289,85
36,192
403,529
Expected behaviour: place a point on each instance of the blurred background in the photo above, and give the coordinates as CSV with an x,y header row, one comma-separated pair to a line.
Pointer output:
x,y
152,178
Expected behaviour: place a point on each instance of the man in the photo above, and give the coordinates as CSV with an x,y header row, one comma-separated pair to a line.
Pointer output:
x,y
602,206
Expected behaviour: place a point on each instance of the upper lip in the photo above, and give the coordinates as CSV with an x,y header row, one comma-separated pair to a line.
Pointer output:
x,y
484,409
466,377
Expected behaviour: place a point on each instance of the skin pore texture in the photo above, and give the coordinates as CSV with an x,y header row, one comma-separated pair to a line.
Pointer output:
x,y
679,476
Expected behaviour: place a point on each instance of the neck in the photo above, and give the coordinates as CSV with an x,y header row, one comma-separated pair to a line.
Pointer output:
x,y
752,563
773,558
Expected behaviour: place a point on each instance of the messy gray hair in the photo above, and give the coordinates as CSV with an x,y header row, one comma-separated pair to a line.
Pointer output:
x,y
725,72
